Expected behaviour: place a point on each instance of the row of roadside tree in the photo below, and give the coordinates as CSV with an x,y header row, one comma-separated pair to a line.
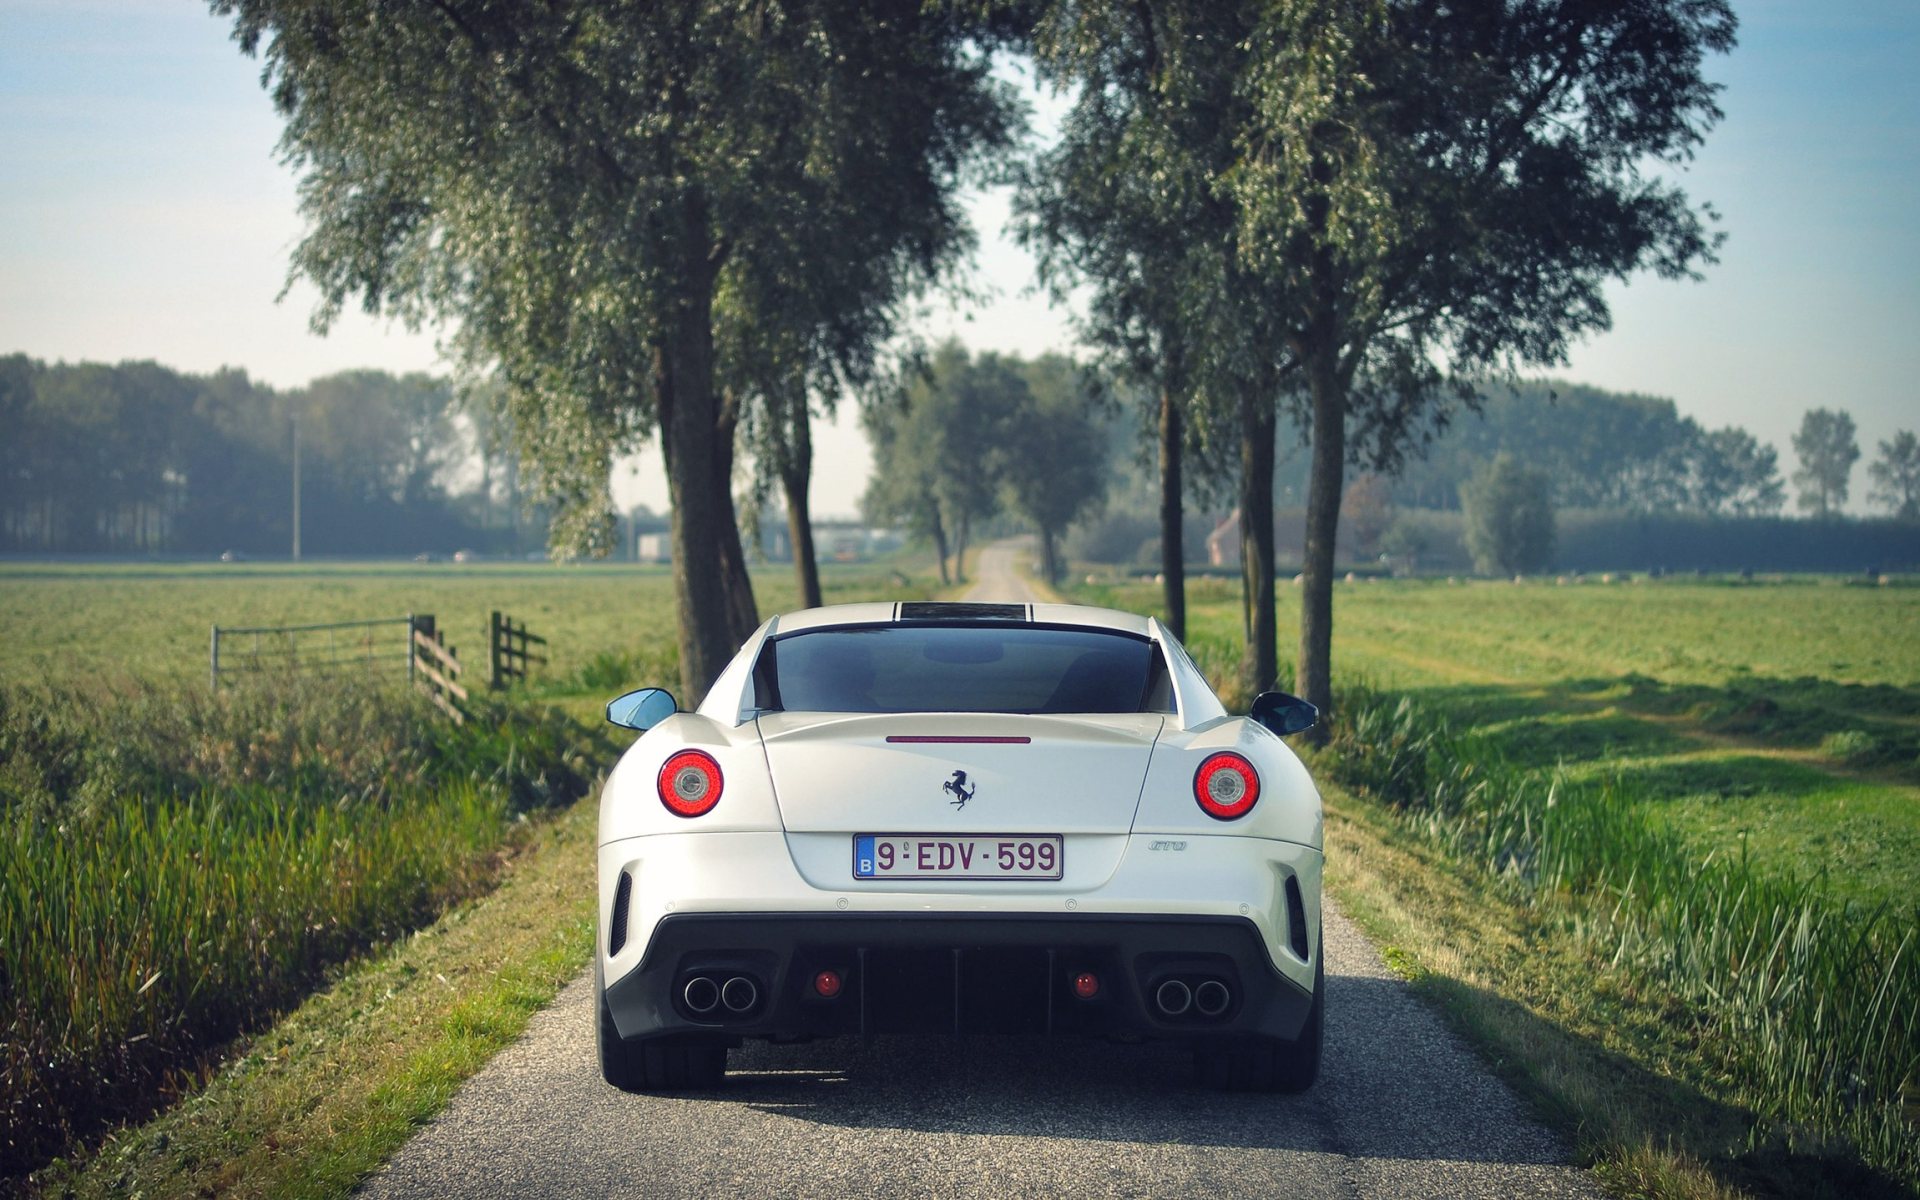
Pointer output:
x,y
705,220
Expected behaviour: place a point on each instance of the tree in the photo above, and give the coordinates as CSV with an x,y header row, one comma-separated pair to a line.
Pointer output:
x,y
577,188
1735,474
1509,512
1411,183
1100,208
1827,451
937,449
1054,462
1896,476
1369,509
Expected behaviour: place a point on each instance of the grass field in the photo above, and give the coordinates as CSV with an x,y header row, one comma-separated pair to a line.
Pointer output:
x,y
1780,720
1696,796
176,865
152,621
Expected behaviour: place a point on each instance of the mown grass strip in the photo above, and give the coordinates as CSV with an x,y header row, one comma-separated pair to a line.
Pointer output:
x,y
331,1092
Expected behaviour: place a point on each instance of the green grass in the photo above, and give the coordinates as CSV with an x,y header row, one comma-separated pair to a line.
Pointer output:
x,y
1698,796
1779,720
152,621
311,1106
178,865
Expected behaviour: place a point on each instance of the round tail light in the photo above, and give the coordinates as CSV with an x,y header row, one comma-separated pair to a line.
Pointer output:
x,y
1227,786
690,783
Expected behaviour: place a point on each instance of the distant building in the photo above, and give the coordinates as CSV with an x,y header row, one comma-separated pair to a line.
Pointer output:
x,y
653,548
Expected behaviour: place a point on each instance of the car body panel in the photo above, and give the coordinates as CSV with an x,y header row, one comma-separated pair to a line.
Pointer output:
x,y
1150,883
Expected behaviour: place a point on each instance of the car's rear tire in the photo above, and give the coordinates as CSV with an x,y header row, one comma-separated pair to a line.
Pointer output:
x,y
1269,1064
659,1065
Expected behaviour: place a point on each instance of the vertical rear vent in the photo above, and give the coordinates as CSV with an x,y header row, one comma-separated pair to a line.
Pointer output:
x,y
1296,919
617,919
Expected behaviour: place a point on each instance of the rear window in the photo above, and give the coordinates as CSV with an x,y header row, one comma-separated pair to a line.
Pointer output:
x,y
973,668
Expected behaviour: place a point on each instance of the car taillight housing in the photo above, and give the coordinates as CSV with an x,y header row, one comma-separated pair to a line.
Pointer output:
x,y
1226,786
690,783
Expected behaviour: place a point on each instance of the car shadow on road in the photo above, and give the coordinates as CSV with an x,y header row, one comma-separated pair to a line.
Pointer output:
x,y
1389,1088
1395,1085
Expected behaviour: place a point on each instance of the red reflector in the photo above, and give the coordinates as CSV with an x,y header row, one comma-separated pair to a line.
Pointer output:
x,y
689,783
826,984
1226,786
1086,985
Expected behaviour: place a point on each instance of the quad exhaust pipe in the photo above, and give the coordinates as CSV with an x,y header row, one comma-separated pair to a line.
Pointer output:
x,y
701,995
739,994
1206,998
705,995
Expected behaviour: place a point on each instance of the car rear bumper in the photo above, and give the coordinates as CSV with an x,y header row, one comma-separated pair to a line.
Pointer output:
x,y
1242,914
1188,978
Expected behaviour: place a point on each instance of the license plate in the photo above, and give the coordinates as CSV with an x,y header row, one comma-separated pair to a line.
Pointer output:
x,y
939,856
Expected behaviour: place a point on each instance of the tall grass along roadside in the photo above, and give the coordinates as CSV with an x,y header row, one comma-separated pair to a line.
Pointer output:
x,y
176,866
1813,1003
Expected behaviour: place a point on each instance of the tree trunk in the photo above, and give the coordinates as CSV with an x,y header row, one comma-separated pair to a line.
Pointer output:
x,y
796,474
1329,437
1256,539
743,615
1049,559
706,541
794,480
1173,557
940,546
960,548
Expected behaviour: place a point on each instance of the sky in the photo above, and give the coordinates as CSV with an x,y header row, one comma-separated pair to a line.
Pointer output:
x,y
144,214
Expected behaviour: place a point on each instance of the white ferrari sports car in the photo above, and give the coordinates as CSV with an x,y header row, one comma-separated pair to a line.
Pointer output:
x,y
965,818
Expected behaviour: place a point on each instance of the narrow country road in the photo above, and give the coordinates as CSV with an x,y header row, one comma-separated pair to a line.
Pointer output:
x,y
997,574
1402,1109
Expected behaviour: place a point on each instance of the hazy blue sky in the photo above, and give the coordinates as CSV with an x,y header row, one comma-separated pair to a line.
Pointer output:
x,y
144,214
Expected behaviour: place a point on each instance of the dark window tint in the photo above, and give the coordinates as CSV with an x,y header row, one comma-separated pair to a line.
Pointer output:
x,y
978,668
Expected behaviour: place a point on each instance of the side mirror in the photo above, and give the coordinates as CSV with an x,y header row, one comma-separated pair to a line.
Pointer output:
x,y
1284,714
643,709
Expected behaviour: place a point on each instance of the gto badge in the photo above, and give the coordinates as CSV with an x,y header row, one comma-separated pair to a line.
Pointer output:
x,y
959,789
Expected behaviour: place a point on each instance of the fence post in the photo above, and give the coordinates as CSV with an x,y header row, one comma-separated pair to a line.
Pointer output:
x,y
493,651
213,662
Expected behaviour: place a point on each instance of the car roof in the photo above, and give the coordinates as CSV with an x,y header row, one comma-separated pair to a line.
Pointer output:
x,y
916,611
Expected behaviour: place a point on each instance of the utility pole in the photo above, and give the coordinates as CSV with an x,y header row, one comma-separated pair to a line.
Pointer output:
x,y
296,487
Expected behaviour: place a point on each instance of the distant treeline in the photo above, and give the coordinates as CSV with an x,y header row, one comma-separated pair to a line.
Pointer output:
x,y
1600,449
136,458
1638,486
1590,540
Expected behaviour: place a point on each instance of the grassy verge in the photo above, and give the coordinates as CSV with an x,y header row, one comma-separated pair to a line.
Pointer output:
x,y
177,867
1762,1005
333,1090
1663,870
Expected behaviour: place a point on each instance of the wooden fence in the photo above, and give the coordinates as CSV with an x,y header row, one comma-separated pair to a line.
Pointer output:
x,y
509,650
434,668
409,644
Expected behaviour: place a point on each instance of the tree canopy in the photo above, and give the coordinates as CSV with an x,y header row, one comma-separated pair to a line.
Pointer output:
x,y
1408,183
590,193
1509,511
1827,450
1896,475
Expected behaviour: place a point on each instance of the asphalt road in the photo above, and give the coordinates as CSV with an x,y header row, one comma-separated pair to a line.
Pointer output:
x,y
1402,1109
